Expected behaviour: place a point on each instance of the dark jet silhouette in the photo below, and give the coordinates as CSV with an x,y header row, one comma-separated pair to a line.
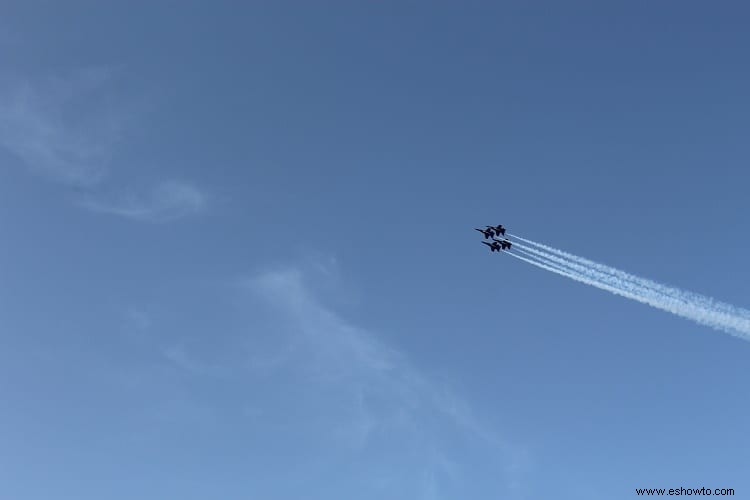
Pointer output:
x,y
495,246
488,233
499,229
505,244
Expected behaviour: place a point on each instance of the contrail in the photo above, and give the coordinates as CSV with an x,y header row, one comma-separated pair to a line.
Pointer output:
x,y
554,269
577,277
583,277
610,278
689,305
603,281
692,297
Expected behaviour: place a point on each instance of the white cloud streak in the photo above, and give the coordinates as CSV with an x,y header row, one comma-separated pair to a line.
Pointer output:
x,y
381,399
66,130
60,129
167,201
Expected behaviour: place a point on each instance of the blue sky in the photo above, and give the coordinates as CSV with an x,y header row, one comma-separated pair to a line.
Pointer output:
x,y
238,258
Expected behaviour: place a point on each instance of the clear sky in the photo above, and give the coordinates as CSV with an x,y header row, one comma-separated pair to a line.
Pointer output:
x,y
237,257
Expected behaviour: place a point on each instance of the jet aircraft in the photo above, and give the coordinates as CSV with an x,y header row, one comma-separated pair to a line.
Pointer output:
x,y
488,233
499,229
495,246
504,243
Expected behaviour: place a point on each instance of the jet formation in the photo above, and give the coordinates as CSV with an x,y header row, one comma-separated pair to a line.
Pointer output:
x,y
490,232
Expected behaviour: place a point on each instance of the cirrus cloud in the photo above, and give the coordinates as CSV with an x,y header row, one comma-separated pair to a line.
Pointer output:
x,y
164,202
369,404
67,129
63,129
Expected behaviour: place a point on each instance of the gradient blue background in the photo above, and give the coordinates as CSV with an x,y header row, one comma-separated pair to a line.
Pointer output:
x,y
307,312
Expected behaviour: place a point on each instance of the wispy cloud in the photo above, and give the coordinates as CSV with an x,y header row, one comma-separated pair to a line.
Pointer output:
x,y
370,399
137,319
67,130
61,128
180,357
167,201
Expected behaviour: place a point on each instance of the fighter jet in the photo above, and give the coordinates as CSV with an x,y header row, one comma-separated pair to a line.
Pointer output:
x,y
488,233
495,246
504,243
499,229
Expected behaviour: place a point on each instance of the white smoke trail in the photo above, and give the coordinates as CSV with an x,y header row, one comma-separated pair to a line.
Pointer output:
x,y
705,311
605,281
613,280
583,277
690,298
577,277
682,295
718,319
553,268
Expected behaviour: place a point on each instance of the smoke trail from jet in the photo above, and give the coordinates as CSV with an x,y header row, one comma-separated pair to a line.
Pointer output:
x,y
629,286
604,282
552,268
597,266
689,305
583,277
575,276
691,297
